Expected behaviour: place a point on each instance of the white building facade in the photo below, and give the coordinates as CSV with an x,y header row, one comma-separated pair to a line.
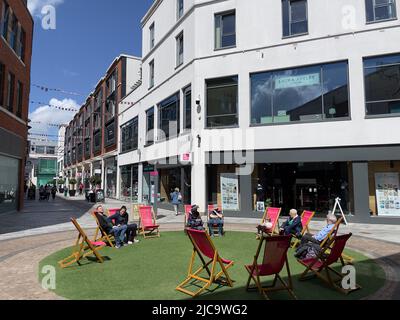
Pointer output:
x,y
303,96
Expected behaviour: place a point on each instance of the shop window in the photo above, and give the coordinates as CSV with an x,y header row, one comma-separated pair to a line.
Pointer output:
x,y
382,90
222,102
294,16
380,10
169,124
314,93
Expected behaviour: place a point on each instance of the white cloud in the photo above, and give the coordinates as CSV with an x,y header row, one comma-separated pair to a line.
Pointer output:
x,y
47,114
35,6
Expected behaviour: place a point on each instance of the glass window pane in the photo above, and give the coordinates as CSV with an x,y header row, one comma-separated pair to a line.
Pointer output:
x,y
228,23
298,10
285,18
299,27
261,98
382,83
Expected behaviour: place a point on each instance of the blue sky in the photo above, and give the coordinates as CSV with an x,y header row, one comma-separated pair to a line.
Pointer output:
x,y
89,34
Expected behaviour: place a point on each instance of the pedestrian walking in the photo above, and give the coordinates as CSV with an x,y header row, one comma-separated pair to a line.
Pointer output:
x,y
176,200
53,192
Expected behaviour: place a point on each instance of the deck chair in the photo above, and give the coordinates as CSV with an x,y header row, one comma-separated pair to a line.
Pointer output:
x,y
101,234
83,248
273,214
205,249
274,258
306,218
323,262
148,226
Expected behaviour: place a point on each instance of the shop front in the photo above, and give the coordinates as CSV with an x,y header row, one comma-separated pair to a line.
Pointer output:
x,y
129,183
110,166
9,186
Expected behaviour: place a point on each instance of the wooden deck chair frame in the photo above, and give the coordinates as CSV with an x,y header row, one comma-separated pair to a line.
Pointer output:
x,y
296,241
149,233
108,238
275,228
83,248
256,279
328,270
221,277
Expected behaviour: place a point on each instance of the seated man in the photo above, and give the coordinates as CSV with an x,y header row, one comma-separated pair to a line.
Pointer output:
x,y
292,225
195,221
121,217
107,225
312,243
216,217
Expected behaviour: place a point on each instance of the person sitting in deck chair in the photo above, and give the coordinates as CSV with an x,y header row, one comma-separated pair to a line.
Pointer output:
x,y
292,225
311,244
216,217
195,221
119,231
121,218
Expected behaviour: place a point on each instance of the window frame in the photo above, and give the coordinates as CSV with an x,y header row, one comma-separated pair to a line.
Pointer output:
x,y
148,142
10,92
133,126
152,37
180,58
20,95
374,6
185,93
290,22
220,15
151,74
160,108
180,10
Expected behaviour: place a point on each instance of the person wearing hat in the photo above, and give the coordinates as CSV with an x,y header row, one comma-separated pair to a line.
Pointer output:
x,y
176,200
216,217
194,220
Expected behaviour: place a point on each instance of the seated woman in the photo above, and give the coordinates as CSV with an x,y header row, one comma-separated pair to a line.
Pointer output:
x,y
216,217
292,225
195,221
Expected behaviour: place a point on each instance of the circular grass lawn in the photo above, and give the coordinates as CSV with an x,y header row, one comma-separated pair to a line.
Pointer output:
x,y
152,269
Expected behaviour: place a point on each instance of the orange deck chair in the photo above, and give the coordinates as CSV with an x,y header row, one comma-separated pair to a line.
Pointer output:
x,y
306,218
273,260
273,214
205,249
148,226
83,248
324,261
101,234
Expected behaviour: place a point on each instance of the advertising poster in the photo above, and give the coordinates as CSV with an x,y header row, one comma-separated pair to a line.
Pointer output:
x,y
230,192
387,194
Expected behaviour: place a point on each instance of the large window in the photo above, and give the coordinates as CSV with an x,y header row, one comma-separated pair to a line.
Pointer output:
x,y
295,19
379,10
168,112
382,84
187,108
222,102
5,19
179,8
110,134
225,30
149,127
2,75
97,142
179,49
12,31
152,35
129,135
10,92
151,74
311,93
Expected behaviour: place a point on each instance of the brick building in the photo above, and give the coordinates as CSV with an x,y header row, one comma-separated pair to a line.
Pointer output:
x,y
16,32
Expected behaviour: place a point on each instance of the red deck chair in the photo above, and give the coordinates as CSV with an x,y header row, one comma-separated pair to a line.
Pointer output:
x,y
273,261
306,218
111,212
273,215
205,249
147,223
324,261
83,248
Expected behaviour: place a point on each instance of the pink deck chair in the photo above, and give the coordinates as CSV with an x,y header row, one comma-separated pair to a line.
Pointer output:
x,y
327,257
111,212
204,248
306,218
273,260
272,214
188,208
147,223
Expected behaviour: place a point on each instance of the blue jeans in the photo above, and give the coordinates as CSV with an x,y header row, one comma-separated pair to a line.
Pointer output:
x,y
119,234
218,222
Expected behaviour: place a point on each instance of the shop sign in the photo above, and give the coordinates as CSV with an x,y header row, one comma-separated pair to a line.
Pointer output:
x,y
148,168
186,157
297,81
387,193
230,192
154,173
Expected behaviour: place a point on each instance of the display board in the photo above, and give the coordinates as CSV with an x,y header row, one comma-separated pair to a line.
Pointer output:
x,y
230,192
387,193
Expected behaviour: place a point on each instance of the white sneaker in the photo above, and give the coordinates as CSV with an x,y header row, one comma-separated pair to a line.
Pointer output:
x,y
136,240
130,242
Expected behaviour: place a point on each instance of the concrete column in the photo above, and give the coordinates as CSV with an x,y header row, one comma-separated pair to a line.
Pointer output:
x,y
361,191
199,196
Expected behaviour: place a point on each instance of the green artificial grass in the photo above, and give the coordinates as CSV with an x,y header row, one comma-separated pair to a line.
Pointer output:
x,y
152,269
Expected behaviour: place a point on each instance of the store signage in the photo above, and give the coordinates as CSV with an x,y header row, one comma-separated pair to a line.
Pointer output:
x,y
186,157
387,193
297,81
230,192
148,168
154,173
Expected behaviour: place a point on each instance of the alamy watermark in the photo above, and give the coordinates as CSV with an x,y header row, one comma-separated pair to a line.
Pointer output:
x,y
49,17
49,277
